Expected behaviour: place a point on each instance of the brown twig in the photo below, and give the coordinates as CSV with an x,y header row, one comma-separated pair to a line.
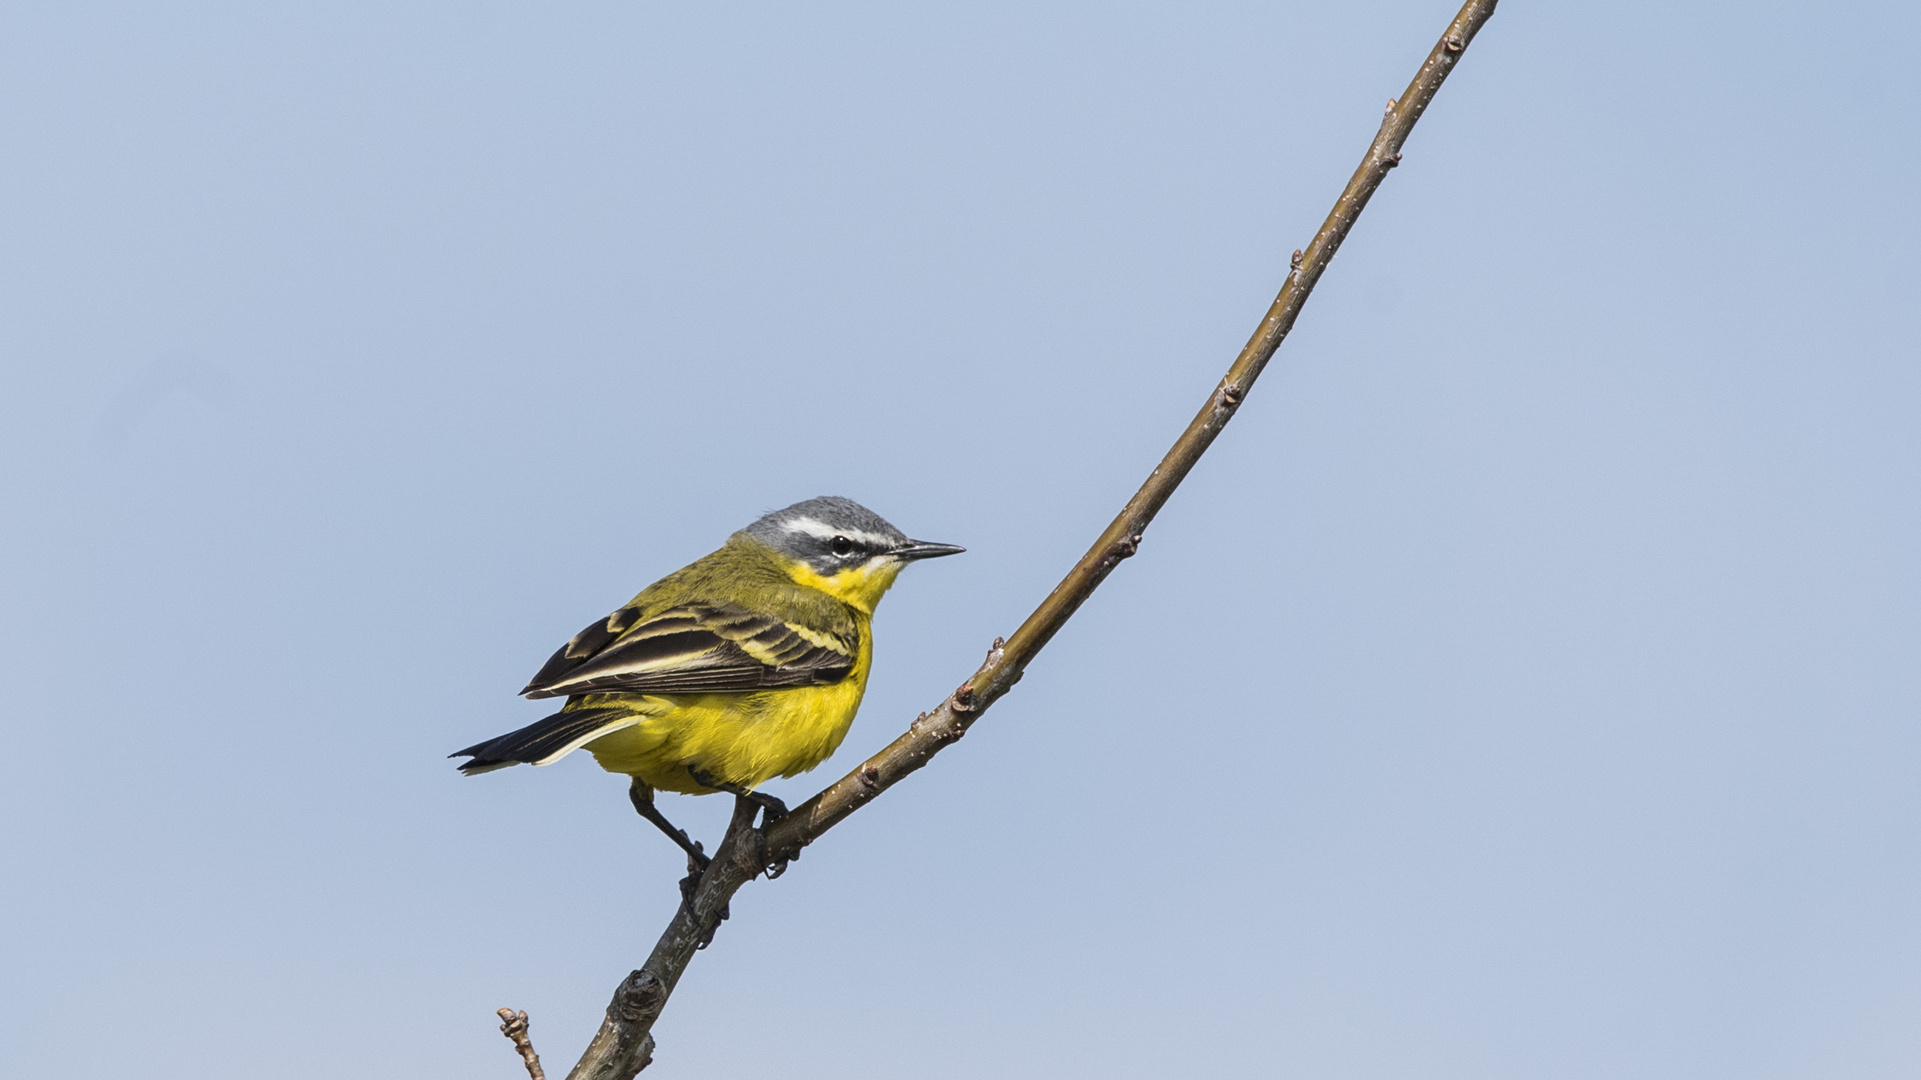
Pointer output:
x,y
623,1045
514,1026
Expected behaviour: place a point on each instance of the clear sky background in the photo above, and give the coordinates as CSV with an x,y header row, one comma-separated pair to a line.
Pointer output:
x,y
1525,685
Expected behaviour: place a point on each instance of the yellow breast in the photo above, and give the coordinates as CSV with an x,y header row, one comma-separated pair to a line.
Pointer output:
x,y
744,739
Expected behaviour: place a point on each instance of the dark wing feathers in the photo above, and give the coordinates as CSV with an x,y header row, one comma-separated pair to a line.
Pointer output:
x,y
697,648
538,741
583,646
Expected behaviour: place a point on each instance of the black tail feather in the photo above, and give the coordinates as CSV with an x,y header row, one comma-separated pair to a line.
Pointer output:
x,y
535,742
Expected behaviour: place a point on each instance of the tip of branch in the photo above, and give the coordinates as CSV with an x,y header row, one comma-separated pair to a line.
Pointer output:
x,y
514,1026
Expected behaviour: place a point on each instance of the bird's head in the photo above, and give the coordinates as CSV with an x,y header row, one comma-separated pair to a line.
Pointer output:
x,y
842,548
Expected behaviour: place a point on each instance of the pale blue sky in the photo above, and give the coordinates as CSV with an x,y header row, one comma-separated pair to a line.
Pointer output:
x,y
1526,685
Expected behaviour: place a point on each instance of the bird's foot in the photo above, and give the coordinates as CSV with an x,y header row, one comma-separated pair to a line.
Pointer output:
x,y
707,935
771,810
690,887
697,863
774,868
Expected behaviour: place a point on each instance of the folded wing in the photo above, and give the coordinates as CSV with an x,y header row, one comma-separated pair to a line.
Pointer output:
x,y
697,648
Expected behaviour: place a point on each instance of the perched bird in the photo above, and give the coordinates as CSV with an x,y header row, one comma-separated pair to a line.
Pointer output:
x,y
745,665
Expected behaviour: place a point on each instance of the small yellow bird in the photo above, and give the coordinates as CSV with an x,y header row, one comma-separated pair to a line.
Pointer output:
x,y
745,665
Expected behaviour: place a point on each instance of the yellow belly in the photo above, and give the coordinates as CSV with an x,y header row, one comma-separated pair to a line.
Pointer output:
x,y
744,739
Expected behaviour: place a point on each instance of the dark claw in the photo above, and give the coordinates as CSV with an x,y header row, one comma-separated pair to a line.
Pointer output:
x,y
689,887
707,938
696,869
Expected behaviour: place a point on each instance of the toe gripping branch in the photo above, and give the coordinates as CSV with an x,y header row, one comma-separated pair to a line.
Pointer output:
x,y
748,805
772,809
744,848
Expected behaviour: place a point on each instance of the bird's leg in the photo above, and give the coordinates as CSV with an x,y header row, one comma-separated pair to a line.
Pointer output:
x,y
771,810
743,821
642,797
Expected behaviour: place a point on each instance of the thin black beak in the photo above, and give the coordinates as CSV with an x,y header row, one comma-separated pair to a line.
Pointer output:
x,y
924,549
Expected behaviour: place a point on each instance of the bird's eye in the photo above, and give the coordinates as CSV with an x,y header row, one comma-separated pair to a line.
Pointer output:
x,y
840,545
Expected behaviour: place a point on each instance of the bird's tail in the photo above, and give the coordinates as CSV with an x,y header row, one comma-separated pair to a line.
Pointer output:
x,y
544,741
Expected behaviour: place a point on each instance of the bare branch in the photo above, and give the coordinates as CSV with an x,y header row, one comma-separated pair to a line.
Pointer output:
x,y
514,1026
1008,660
624,1043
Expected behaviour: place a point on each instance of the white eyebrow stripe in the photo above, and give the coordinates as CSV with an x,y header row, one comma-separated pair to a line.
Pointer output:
x,y
816,528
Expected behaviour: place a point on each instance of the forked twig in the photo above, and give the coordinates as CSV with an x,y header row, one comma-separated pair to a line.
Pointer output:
x,y
624,1044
